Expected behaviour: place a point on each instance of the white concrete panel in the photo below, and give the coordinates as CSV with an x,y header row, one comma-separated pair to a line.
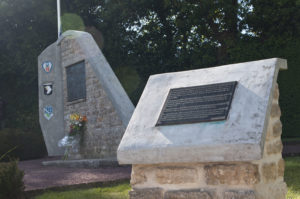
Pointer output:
x,y
239,138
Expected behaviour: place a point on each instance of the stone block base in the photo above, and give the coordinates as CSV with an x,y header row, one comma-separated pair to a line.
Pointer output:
x,y
259,179
158,193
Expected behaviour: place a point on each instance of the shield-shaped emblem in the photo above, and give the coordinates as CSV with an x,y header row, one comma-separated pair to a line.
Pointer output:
x,y
48,112
47,66
48,88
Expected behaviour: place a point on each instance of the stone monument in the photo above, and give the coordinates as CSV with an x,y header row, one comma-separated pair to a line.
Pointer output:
x,y
208,133
74,77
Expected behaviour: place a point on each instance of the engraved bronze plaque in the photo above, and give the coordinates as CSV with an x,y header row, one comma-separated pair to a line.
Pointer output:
x,y
197,104
76,88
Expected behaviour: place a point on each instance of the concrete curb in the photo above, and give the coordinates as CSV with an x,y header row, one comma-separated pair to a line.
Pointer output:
x,y
85,163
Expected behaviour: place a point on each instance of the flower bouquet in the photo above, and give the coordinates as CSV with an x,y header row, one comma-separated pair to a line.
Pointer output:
x,y
76,134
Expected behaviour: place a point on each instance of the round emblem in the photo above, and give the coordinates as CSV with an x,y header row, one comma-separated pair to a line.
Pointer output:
x,y
47,66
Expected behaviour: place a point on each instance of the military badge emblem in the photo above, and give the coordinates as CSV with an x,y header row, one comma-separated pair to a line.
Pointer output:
x,y
47,66
48,112
48,88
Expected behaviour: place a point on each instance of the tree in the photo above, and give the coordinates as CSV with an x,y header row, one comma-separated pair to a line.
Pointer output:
x,y
26,28
145,37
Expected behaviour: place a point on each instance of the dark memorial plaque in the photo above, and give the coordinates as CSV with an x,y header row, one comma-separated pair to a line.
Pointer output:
x,y
76,88
197,104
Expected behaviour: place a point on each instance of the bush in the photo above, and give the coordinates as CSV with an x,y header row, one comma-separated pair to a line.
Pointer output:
x,y
30,144
11,181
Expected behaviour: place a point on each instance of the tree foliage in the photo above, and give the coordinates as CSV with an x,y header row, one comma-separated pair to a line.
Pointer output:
x,y
148,37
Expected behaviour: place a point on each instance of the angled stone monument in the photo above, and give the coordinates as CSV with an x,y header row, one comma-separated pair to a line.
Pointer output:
x,y
208,133
51,98
74,77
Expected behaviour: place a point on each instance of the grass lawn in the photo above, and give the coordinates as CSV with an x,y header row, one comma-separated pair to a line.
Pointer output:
x,y
292,177
120,191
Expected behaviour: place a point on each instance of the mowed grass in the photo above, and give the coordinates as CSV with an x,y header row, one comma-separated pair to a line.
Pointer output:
x,y
120,191
292,177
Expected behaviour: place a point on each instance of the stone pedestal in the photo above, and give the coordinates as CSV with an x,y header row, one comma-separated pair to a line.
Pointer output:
x,y
205,174
259,179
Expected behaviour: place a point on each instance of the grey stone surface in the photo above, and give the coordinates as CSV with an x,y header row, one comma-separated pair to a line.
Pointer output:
x,y
106,105
239,138
147,193
190,194
104,73
232,194
53,129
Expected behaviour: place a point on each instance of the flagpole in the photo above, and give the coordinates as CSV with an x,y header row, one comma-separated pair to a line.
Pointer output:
x,y
59,31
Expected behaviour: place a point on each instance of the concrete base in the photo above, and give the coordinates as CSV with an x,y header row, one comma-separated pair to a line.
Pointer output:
x,y
85,163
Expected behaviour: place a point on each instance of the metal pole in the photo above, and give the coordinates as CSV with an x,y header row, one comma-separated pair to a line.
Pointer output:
x,y
59,31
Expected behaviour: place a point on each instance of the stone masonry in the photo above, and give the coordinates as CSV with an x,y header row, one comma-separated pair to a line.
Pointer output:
x,y
259,179
104,127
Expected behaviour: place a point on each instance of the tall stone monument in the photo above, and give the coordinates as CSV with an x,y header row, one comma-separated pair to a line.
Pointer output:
x,y
211,133
74,77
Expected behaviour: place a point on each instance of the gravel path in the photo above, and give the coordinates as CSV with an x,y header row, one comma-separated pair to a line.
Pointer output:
x,y
42,177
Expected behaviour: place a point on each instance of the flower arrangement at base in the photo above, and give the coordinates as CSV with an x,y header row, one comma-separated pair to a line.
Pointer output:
x,y
77,126
76,134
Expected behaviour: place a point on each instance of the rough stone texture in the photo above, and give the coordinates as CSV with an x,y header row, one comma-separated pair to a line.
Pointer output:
x,y
278,191
190,194
105,122
274,147
137,175
239,194
277,128
243,174
275,110
104,73
271,191
104,127
276,92
148,193
269,135
280,166
176,175
269,172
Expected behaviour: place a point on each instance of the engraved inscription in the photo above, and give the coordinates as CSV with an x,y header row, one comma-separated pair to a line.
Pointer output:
x,y
76,88
197,104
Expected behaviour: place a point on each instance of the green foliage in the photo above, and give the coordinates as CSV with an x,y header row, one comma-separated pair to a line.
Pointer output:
x,y
5,154
11,181
29,144
145,37
71,21
27,27
164,36
129,79
119,191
